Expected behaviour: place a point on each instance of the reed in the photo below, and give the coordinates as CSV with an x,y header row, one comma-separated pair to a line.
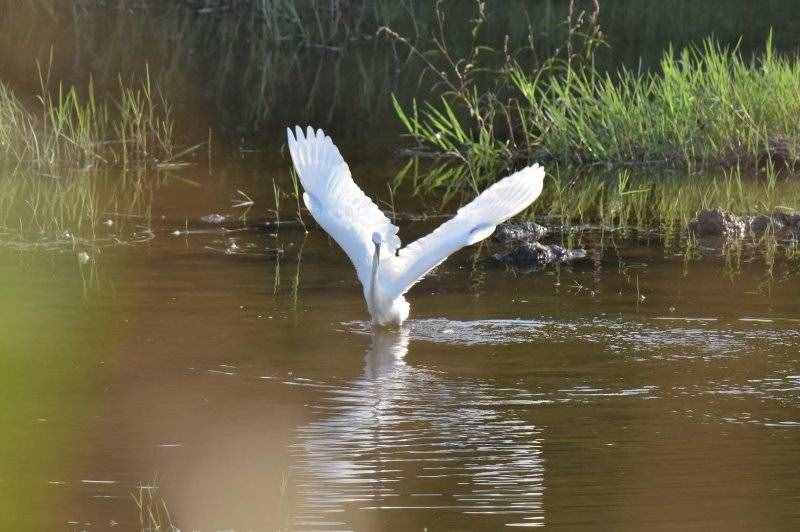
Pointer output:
x,y
65,129
706,106
153,512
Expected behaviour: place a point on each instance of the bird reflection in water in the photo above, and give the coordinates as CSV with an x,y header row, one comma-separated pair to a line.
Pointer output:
x,y
405,442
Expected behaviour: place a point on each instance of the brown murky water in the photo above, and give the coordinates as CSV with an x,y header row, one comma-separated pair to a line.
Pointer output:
x,y
250,388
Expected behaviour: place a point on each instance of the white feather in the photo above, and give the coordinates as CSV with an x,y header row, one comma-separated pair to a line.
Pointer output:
x,y
473,222
336,202
351,218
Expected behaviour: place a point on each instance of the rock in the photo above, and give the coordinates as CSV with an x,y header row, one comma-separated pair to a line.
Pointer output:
x,y
717,222
567,255
214,218
759,224
789,220
534,254
518,232
779,223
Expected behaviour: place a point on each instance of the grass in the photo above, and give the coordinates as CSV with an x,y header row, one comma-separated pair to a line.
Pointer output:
x,y
251,66
494,103
664,199
153,512
65,129
72,162
705,106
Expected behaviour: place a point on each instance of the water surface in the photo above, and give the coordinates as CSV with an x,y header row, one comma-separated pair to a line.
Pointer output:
x,y
248,386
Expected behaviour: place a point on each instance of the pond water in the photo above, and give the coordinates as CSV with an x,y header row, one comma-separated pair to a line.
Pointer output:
x,y
634,390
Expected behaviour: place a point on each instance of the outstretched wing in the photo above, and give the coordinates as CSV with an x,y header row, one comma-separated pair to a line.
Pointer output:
x,y
336,202
473,222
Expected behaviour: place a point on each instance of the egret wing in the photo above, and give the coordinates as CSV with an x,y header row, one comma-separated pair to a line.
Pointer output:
x,y
472,223
336,202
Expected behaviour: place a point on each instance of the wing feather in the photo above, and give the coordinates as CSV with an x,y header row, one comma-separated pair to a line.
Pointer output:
x,y
472,223
336,202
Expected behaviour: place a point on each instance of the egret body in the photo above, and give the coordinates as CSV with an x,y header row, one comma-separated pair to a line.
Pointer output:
x,y
370,240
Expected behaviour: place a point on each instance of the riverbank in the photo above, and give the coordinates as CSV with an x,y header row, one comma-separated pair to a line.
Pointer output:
x,y
705,107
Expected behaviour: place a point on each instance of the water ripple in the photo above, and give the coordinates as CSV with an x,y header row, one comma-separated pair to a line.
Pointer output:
x,y
403,438
660,337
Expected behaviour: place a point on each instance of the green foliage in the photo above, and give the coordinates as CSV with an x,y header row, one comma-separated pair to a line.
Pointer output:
x,y
665,200
707,105
65,129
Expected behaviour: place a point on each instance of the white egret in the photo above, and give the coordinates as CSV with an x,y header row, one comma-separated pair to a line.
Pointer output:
x,y
370,240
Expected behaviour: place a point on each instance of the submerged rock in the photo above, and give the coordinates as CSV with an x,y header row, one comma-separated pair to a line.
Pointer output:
x,y
518,232
759,225
780,224
790,222
214,218
534,254
717,222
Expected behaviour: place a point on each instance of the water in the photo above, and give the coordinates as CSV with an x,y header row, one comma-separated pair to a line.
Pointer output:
x,y
248,386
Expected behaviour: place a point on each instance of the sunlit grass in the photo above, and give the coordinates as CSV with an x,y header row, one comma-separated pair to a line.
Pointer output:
x,y
64,129
705,106
154,516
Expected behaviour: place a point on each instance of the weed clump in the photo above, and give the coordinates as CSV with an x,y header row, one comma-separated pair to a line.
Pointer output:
x,y
705,105
64,129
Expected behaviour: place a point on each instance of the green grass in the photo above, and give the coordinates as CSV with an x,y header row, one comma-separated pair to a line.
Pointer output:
x,y
705,106
64,129
77,169
629,198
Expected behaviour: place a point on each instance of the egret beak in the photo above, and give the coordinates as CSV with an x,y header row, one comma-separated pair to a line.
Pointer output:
x,y
375,262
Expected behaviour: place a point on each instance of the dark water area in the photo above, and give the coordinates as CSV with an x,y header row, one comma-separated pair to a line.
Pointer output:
x,y
636,390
